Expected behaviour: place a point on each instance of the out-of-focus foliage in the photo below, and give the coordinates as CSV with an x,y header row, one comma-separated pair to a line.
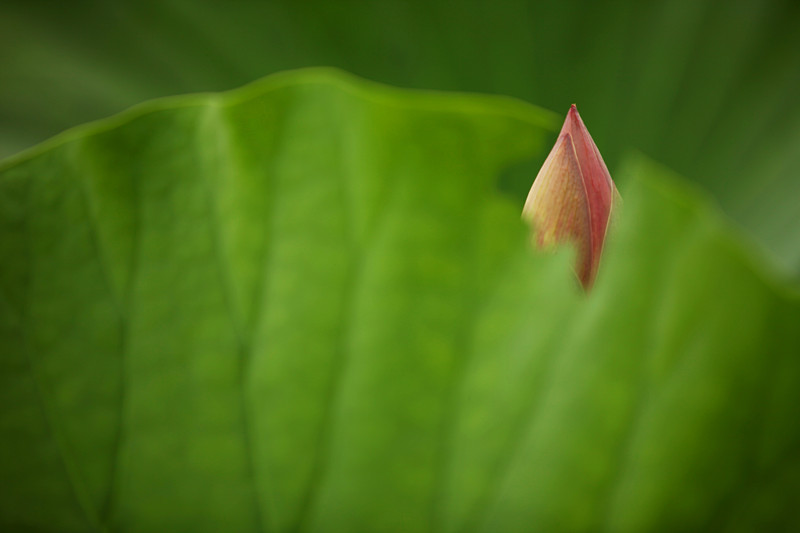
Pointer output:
x,y
304,306
708,87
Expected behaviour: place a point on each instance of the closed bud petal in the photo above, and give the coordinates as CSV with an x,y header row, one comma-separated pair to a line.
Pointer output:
x,y
572,198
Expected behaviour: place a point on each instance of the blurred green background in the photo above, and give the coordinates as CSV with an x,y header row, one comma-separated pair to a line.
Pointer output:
x,y
709,88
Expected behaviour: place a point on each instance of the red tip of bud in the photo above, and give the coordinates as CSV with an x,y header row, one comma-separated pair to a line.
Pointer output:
x,y
572,197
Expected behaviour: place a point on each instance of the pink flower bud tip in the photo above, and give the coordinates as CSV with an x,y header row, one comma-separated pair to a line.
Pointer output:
x,y
572,198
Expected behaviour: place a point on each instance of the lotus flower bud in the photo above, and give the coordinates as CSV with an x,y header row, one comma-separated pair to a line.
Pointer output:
x,y
572,198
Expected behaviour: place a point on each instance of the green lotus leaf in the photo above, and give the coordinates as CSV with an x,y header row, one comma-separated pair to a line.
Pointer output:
x,y
309,305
